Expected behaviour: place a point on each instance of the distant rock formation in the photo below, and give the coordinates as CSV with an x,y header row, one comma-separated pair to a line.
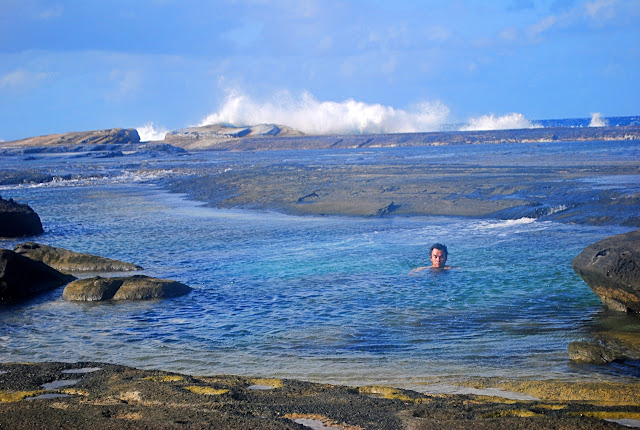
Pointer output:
x,y
215,135
95,137
271,137
138,287
18,220
22,277
611,267
70,261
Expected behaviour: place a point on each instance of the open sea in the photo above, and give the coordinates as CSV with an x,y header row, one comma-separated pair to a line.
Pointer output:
x,y
325,299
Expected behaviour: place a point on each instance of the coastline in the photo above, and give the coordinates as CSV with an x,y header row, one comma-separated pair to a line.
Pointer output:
x,y
92,395
131,398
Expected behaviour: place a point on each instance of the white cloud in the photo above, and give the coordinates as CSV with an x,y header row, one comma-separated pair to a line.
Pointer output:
x,y
52,12
126,83
600,9
535,30
22,79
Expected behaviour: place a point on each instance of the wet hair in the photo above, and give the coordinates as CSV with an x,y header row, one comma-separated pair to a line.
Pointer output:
x,y
439,246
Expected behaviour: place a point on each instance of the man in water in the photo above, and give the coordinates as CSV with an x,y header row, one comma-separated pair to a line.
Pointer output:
x,y
438,256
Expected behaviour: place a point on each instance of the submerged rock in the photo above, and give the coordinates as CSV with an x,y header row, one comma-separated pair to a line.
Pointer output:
x,y
592,352
21,277
18,220
70,261
611,268
138,287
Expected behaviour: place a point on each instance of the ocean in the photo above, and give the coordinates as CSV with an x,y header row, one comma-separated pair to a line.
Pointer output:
x,y
318,298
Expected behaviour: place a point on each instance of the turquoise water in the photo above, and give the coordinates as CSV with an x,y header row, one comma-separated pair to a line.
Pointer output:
x,y
317,298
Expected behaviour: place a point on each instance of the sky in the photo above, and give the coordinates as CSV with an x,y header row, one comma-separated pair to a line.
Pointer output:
x,y
316,65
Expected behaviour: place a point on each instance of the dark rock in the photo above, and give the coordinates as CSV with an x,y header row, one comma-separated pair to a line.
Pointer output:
x,y
391,207
18,220
611,267
594,353
309,198
137,287
69,261
21,277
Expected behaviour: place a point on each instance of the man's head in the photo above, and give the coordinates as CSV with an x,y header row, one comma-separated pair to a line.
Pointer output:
x,y
438,255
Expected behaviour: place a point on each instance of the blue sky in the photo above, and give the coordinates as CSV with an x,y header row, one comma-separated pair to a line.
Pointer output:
x,y
322,65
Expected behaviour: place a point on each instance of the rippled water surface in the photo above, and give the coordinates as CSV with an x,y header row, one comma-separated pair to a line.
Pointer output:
x,y
317,298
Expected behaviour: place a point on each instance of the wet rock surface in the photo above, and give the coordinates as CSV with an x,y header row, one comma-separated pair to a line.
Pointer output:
x,y
98,395
541,188
18,220
70,261
611,268
21,277
138,287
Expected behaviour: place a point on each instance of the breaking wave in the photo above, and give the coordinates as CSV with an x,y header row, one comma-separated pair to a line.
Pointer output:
x,y
597,120
149,133
311,116
510,121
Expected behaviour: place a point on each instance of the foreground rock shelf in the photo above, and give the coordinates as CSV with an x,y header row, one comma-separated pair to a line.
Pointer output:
x,y
97,395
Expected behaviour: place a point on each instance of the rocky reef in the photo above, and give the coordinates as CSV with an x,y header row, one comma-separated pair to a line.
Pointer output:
x,y
69,261
270,137
94,395
220,136
18,220
138,287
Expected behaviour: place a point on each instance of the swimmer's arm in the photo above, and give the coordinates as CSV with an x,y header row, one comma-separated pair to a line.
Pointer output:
x,y
417,269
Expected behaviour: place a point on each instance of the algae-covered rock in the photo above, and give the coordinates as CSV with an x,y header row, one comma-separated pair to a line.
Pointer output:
x,y
611,267
70,261
137,287
591,352
21,277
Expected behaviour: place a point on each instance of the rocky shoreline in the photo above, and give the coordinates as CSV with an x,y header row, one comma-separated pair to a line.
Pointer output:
x,y
99,395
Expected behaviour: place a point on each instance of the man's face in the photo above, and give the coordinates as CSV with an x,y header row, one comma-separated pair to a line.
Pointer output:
x,y
438,258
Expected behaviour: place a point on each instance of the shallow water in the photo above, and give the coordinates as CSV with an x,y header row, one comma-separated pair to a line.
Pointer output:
x,y
317,298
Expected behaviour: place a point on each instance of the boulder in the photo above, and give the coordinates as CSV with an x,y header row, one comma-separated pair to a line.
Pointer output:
x,y
21,277
138,287
18,220
611,267
70,261
593,353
